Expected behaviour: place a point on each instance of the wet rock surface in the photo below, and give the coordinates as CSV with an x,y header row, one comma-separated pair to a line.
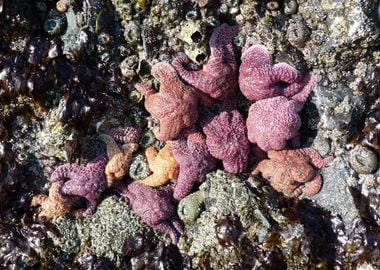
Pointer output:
x,y
68,74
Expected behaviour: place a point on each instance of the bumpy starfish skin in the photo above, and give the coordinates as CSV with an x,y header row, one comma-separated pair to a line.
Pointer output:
x,y
86,181
162,164
120,159
56,204
219,77
226,139
293,172
126,134
194,161
272,122
260,79
154,206
175,106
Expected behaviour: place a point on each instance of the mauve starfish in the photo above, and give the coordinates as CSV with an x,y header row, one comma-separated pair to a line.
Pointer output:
x,y
293,172
175,106
194,161
154,206
219,77
163,165
226,139
86,181
260,79
272,122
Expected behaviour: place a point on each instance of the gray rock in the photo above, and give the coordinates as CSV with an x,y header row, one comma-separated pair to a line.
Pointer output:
x,y
225,194
335,195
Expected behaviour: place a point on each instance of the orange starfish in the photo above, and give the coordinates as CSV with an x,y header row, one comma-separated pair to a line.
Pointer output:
x,y
162,164
55,204
293,172
119,160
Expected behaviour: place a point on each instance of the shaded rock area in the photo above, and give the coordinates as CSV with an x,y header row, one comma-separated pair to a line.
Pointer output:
x,y
68,75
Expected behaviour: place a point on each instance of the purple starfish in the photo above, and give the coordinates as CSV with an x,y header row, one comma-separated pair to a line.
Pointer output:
x,y
226,139
86,181
219,76
260,79
126,134
194,163
154,206
272,122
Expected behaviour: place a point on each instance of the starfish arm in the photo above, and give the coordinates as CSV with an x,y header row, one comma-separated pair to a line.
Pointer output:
x,y
309,82
177,224
179,148
316,158
313,187
145,89
155,180
38,200
194,78
169,229
91,207
260,167
183,187
64,171
166,74
283,72
223,36
126,134
151,154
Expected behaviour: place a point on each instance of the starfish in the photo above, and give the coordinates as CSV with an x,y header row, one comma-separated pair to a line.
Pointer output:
x,y
293,172
86,181
219,77
226,139
125,135
175,106
162,164
154,206
260,79
272,122
119,159
56,204
194,161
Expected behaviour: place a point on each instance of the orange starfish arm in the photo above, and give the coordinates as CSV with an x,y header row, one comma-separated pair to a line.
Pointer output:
x,y
155,180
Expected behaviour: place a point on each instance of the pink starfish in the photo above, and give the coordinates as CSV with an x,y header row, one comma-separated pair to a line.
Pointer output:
x,y
154,206
260,79
194,161
175,106
88,181
272,122
226,139
218,78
